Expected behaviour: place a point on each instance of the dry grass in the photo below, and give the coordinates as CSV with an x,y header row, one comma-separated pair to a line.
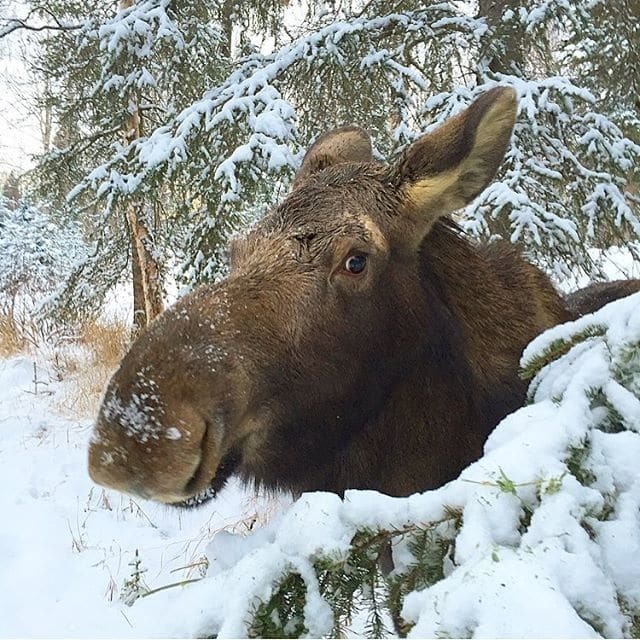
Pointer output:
x,y
88,362
107,342
83,358
21,333
12,339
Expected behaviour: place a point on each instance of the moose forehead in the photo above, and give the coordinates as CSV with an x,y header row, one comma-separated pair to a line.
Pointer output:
x,y
347,201
338,200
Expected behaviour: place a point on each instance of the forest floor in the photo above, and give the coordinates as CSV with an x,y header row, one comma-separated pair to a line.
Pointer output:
x,y
72,554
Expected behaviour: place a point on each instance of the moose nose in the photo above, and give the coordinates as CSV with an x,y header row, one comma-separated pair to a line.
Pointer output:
x,y
154,481
167,467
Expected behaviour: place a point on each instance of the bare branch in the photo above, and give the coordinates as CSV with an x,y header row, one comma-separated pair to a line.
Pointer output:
x,y
15,24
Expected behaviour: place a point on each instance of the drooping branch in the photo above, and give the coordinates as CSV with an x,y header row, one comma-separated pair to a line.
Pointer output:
x,y
15,23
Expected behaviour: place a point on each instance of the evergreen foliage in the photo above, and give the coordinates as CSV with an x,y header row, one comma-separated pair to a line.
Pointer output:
x,y
555,350
37,255
230,94
115,63
355,583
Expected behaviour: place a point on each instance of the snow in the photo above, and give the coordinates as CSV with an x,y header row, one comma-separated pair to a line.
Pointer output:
x,y
505,595
539,550
66,544
619,318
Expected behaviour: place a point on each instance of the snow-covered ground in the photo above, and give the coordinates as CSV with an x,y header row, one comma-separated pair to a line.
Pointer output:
x,y
66,546
547,543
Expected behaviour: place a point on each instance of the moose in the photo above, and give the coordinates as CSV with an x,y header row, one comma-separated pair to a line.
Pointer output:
x,y
360,340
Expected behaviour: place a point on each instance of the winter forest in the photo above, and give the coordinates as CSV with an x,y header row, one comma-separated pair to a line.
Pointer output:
x,y
138,138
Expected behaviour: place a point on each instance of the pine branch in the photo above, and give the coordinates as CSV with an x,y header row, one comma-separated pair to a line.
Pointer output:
x,y
16,24
557,349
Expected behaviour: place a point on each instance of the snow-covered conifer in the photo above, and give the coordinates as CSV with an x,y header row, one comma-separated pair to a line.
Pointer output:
x,y
229,96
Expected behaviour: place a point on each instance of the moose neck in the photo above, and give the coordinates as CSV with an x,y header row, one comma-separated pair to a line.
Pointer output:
x,y
501,302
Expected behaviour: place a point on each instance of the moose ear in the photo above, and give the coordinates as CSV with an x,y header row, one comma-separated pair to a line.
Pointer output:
x,y
447,168
346,144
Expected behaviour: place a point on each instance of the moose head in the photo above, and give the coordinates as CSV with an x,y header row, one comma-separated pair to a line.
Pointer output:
x,y
359,340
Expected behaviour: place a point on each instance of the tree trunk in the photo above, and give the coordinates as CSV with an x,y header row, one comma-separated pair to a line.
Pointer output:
x,y
46,119
513,56
139,313
226,23
147,285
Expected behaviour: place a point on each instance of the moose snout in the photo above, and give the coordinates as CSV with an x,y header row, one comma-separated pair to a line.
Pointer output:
x,y
168,461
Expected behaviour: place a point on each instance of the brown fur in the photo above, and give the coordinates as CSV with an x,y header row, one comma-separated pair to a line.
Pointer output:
x,y
296,374
596,295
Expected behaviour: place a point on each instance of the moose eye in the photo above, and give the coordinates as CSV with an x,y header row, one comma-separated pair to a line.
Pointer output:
x,y
355,264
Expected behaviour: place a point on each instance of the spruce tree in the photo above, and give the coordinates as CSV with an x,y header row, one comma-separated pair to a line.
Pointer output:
x,y
115,74
230,95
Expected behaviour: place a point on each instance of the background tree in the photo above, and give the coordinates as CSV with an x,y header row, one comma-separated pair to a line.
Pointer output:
x,y
11,191
37,254
217,146
112,73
